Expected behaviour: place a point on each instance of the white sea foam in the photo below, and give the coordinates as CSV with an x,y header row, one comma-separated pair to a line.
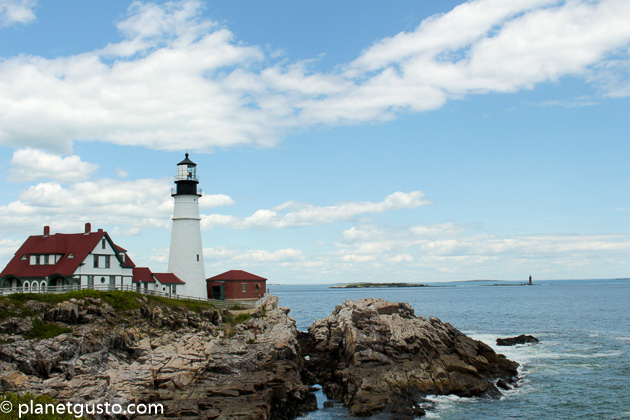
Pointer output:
x,y
441,404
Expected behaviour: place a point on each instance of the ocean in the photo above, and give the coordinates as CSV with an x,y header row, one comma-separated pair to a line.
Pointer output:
x,y
579,370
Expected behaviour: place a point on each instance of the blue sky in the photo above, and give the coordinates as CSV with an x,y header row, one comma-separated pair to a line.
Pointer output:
x,y
335,141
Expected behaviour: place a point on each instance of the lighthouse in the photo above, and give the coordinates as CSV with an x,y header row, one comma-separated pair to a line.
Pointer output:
x,y
186,255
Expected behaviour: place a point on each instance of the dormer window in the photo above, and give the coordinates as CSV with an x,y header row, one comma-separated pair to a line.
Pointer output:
x,y
43,259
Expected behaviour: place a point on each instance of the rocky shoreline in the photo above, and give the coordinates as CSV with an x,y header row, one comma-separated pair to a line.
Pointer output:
x,y
373,355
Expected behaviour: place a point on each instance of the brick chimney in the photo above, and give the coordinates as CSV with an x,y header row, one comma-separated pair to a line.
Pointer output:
x,y
46,231
88,228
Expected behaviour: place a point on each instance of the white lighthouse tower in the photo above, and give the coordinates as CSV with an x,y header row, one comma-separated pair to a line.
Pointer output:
x,y
186,254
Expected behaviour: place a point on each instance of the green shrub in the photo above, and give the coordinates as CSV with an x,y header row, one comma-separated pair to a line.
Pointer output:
x,y
43,330
242,317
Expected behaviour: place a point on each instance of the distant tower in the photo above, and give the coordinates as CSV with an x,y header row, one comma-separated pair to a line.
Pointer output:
x,y
186,255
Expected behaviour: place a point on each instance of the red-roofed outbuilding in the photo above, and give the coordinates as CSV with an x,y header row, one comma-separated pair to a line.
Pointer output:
x,y
147,281
236,285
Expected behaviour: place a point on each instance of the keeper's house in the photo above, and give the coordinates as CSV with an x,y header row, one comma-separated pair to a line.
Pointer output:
x,y
236,285
73,261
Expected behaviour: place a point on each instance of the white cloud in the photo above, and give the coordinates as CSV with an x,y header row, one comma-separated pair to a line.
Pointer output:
x,y
308,215
463,252
16,11
8,248
122,173
215,200
179,75
33,165
125,206
281,255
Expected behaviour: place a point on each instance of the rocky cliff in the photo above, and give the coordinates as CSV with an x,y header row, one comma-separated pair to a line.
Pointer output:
x,y
202,363
195,362
379,356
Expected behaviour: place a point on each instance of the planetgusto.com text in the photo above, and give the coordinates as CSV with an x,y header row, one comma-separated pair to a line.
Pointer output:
x,y
80,410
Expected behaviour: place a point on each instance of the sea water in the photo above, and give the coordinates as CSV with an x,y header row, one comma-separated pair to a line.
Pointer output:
x,y
579,370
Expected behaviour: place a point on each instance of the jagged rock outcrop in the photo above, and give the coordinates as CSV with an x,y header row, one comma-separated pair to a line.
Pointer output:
x,y
372,354
521,339
191,362
376,355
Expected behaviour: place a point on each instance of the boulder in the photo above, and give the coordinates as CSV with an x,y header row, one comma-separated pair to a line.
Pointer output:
x,y
160,354
512,341
379,356
14,325
66,312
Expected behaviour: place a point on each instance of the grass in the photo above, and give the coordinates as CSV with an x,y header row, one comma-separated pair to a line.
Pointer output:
x,y
177,304
43,330
242,317
121,301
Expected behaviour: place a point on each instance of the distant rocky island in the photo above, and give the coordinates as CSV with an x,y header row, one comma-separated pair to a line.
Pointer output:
x,y
367,285
201,362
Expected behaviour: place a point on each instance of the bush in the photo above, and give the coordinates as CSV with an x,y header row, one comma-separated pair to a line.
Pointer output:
x,y
242,317
43,330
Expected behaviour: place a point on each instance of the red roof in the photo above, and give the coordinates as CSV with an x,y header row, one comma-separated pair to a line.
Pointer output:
x,y
77,244
73,248
142,275
236,275
129,262
168,278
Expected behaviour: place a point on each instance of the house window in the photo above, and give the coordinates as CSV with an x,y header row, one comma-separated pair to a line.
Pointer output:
x,y
174,289
37,260
103,243
107,261
197,257
96,261
103,280
244,287
70,256
257,288
23,257
46,260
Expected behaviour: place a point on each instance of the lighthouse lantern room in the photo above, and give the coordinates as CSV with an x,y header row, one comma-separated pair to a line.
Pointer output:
x,y
186,253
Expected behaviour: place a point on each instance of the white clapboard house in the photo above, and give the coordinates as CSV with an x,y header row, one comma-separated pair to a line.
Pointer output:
x,y
70,261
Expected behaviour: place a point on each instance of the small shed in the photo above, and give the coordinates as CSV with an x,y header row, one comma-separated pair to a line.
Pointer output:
x,y
236,285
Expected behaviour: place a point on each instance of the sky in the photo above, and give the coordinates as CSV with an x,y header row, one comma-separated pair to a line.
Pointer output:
x,y
336,142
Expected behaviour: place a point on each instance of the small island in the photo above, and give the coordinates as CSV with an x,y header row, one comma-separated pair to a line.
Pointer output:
x,y
367,285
